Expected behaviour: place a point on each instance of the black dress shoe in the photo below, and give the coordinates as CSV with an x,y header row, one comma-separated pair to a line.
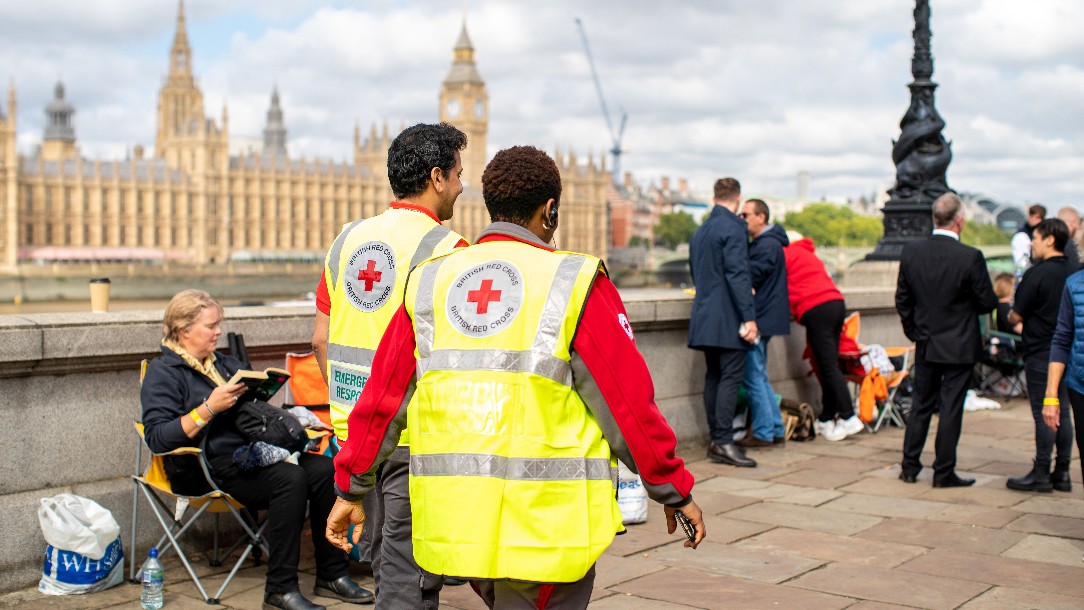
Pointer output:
x,y
291,600
342,588
729,454
953,481
908,477
751,441
1060,478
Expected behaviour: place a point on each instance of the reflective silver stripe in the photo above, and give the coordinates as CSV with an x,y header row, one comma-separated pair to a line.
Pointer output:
x,y
428,244
423,310
553,312
359,356
336,253
528,361
517,469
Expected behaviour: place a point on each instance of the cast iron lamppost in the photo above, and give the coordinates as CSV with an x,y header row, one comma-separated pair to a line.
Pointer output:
x,y
921,154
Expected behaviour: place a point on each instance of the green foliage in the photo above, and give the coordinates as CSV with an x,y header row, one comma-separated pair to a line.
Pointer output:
x,y
975,234
675,228
636,241
834,225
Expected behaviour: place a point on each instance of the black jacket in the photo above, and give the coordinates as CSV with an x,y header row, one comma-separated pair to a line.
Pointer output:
x,y
768,272
719,261
942,289
170,390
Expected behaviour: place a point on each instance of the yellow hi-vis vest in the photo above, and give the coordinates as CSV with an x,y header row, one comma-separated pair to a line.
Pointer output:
x,y
510,476
365,273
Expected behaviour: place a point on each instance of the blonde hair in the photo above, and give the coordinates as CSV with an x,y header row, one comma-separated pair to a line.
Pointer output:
x,y
183,310
1003,285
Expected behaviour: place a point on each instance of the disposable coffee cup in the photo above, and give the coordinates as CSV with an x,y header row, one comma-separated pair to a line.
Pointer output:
x,y
99,295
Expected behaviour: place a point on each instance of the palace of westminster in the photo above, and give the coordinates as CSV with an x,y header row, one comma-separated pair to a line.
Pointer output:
x,y
191,201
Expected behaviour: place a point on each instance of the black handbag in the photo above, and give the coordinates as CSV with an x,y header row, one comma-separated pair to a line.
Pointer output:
x,y
259,421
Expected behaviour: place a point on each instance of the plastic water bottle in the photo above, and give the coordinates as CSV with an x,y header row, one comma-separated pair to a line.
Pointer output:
x,y
151,598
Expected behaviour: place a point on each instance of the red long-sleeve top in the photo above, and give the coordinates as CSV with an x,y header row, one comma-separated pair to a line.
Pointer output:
x,y
609,374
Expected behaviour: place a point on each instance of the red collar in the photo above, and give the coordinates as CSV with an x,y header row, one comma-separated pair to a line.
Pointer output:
x,y
399,205
507,237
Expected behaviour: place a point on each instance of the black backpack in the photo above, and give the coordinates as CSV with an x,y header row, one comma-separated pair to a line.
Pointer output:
x,y
259,421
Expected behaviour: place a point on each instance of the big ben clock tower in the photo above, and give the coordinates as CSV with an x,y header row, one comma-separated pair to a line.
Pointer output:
x,y
465,104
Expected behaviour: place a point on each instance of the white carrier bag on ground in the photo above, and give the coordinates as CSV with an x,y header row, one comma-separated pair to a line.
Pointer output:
x,y
631,496
83,553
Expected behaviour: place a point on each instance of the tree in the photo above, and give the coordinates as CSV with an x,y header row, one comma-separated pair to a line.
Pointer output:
x,y
675,228
834,225
636,241
975,234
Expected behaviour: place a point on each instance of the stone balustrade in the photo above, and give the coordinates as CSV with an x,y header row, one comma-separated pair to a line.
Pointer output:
x,y
70,388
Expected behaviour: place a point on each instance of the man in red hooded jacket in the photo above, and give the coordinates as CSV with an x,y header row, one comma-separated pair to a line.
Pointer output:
x,y
817,304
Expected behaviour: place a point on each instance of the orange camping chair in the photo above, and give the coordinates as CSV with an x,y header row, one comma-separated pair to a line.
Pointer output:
x,y
307,388
856,362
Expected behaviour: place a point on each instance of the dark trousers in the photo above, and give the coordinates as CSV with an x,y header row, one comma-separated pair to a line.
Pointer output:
x,y
521,595
726,369
400,583
1076,399
284,490
1045,438
823,325
939,388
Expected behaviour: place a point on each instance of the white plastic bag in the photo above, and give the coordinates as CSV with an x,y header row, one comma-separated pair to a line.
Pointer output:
x,y
631,496
84,553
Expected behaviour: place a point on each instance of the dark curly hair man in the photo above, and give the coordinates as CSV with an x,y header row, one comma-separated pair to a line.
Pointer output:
x,y
517,181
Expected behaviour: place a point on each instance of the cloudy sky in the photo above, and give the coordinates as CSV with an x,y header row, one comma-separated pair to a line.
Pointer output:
x,y
757,90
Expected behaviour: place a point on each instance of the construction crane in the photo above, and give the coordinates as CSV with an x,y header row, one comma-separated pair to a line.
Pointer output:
x,y
616,136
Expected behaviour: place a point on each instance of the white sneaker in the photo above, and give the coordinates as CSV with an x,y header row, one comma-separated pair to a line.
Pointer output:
x,y
850,426
828,430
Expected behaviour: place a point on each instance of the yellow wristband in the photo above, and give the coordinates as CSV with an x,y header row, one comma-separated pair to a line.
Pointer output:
x,y
1051,402
194,414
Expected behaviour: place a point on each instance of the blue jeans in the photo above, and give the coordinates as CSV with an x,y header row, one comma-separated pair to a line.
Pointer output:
x,y
767,421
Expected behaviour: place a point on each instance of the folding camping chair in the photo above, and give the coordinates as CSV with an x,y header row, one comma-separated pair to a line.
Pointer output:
x,y
307,388
855,363
1000,369
156,487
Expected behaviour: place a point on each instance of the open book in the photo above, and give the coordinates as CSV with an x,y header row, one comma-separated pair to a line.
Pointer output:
x,y
260,385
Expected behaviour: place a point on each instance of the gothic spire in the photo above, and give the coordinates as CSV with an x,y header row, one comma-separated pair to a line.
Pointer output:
x,y
180,54
274,135
58,117
463,69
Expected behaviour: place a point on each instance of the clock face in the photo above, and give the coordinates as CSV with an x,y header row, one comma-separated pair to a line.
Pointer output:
x,y
452,108
479,109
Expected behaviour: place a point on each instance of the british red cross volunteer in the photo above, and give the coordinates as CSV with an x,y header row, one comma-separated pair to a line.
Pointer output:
x,y
514,369
362,287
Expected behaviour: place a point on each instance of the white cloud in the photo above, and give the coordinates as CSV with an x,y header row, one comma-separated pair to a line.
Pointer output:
x,y
756,90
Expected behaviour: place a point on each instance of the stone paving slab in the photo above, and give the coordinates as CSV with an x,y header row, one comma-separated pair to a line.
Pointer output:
x,y
867,605
719,502
760,473
817,519
743,562
849,448
1065,527
1000,571
1002,598
459,598
727,484
1064,551
829,547
922,509
891,586
1057,505
708,590
877,485
819,478
992,494
625,601
1006,469
935,534
791,494
724,529
612,569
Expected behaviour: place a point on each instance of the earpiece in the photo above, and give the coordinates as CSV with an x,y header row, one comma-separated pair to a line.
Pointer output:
x,y
549,222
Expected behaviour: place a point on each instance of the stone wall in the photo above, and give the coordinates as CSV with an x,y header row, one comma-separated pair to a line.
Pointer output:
x,y
70,384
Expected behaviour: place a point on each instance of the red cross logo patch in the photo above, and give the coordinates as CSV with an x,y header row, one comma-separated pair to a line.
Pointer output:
x,y
485,299
369,279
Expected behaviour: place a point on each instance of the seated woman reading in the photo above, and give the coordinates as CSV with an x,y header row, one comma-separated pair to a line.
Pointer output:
x,y
185,397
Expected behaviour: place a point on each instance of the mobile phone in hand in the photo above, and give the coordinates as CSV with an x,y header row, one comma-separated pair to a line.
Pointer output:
x,y
686,526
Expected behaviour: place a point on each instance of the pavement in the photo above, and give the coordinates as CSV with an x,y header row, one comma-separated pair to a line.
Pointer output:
x,y
815,525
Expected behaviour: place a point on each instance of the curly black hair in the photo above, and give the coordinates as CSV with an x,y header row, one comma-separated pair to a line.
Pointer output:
x,y
517,181
416,151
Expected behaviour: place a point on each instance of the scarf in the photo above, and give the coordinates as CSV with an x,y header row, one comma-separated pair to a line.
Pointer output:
x,y
207,367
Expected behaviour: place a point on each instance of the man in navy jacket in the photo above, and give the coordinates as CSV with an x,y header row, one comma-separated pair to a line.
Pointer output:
x,y
723,322
768,274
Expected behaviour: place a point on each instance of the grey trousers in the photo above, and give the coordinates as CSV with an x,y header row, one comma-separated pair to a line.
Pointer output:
x,y
400,583
520,595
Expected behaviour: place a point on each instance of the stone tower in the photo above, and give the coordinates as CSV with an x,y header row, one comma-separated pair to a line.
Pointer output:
x,y
465,104
274,134
9,186
59,138
186,139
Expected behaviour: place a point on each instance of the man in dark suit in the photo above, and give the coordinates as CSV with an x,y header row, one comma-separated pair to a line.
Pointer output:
x,y
723,322
943,288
